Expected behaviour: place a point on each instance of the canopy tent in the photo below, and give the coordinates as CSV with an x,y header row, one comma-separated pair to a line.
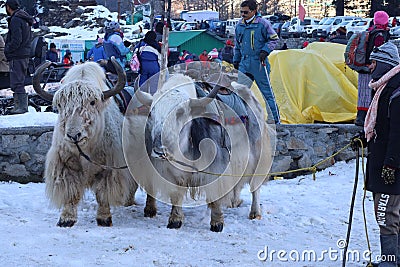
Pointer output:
x,y
313,84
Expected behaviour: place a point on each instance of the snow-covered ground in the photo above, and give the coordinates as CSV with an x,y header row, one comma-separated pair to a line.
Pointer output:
x,y
300,217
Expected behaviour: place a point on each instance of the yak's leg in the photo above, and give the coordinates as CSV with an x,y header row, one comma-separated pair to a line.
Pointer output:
x,y
131,198
66,192
103,216
151,207
103,190
176,217
255,211
236,201
217,217
69,214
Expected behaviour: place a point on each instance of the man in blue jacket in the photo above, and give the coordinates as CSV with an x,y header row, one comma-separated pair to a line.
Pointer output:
x,y
114,45
97,51
254,40
17,52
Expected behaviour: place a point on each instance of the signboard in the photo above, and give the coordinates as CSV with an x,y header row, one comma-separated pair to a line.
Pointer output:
x,y
77,48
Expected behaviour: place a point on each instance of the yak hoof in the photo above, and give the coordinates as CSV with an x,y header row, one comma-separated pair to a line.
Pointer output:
x,y
130,203
254,215
237,203
67,223
150,212
104,222
217,227
174,225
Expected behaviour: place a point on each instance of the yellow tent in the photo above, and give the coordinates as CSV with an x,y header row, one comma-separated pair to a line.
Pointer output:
x,y
313,84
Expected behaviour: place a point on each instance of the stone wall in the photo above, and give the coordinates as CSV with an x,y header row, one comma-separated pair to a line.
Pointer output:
x,y
23,150
23,153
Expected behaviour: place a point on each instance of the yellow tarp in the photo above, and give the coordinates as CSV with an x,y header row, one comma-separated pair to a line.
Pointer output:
x,y
313,84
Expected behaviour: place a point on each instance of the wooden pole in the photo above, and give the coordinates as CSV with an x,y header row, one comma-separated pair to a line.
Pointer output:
x,y
119,10
164,58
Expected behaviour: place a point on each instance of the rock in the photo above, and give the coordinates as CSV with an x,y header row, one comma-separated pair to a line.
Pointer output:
x,y
24,157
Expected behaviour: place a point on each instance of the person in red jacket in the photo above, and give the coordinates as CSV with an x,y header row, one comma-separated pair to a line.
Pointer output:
x,y
67,60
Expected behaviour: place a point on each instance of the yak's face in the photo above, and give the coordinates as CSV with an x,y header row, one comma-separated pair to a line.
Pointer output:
x,y
170,123
81,113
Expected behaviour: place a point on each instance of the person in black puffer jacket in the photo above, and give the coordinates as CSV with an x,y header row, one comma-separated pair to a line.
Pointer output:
x,y
382,131
17,51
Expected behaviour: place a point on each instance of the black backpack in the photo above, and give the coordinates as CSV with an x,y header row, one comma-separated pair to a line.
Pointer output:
x,y
227,54
38,53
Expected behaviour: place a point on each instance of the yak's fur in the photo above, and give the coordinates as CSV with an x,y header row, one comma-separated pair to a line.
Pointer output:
x,y
96,124
175,131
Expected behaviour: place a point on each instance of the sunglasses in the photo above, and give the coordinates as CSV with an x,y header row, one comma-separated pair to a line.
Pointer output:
x,y
244,12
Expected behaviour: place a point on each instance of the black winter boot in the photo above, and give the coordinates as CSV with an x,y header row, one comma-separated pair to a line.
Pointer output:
x,y
389,251
360,117
20,103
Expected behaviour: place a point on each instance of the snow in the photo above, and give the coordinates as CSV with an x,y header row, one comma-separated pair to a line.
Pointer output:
x,y
91,13
28,119
299,215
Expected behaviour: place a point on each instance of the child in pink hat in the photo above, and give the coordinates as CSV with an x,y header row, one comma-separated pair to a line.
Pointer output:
x,y
378,35
381,18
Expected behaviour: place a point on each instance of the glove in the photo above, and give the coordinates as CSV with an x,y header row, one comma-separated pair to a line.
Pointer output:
x,y
388,175
355,143
263,56
127,43
236,65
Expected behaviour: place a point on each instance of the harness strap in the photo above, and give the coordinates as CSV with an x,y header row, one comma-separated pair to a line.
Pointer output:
x,y
81,153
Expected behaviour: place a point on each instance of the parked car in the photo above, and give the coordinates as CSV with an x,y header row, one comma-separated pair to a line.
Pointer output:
x,y
285,30
187,26
358,26
218,27
311,30
175,24
395,32
231,25
296,28
331,24
277,27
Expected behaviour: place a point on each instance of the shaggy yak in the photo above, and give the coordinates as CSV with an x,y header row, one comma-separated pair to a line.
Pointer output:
x,y
89,118
179,130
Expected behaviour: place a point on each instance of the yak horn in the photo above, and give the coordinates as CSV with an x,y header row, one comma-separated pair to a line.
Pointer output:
x,y
36,82
120,82
144,98
204,101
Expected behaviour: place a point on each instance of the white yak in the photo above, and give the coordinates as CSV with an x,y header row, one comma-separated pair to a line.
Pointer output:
x,y
89,118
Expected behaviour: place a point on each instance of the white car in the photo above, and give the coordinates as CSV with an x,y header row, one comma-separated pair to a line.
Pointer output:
x,y
331,24
395,32
187,26
231,25
358,26
297,27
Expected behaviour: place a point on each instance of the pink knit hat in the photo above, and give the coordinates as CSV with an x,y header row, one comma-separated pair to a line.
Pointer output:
x,y
381,18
